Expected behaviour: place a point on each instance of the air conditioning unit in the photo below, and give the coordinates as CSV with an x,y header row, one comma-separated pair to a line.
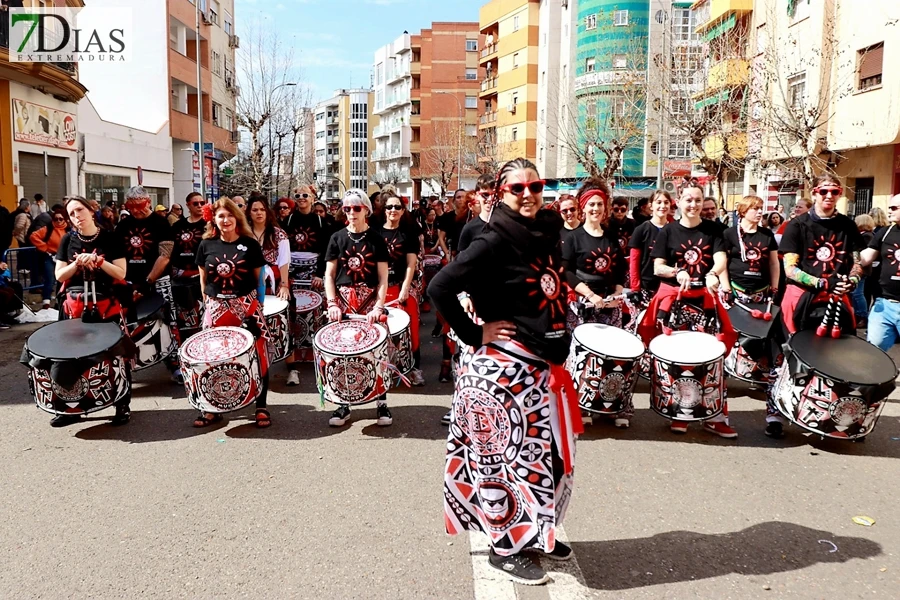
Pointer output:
x,y
235,136
236,90
206,20
669,186
511,108
234,42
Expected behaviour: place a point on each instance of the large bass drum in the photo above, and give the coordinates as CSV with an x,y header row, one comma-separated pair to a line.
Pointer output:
x,y
836,388
352,361
221,369
686,378
78,368
749,359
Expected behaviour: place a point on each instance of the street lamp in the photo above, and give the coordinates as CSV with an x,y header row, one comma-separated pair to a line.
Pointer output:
x,y
271,95
200,105
459,138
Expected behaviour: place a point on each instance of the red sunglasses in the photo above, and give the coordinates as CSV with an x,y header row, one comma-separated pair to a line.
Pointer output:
x,y
349,209
825,191
517,189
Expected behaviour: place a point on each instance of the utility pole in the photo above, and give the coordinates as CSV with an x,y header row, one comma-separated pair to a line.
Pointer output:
x,y
665,19
200,104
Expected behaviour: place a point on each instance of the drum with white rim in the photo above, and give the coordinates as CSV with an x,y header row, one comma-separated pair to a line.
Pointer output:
x,y
151,331
686,376
221,369
276,312
401,339
308,318
644,363
603,363
303,268
431,264
352,362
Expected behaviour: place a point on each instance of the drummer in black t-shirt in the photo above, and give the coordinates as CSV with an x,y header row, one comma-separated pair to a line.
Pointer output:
x,y
692,252
307,230
821,258
230,262
640,260
90,256
356,279
753,267
884,318
187,234
620,224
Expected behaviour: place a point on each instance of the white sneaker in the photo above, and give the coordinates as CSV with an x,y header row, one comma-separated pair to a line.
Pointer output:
x,y
177,377
416,378
623,423
340,416
293,377
586,418
384,416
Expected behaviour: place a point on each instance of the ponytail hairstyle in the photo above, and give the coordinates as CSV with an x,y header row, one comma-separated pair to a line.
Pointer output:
x,y
505,170
596,187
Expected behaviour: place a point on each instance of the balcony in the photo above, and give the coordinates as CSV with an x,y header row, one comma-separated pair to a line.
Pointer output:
x,y
729,73
715,145
489,86
415,68
380,131
488,53
58,79
712,11
490,117
397,75
415,147
415,121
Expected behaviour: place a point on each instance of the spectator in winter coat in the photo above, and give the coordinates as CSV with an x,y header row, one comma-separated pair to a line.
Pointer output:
x,y
46,240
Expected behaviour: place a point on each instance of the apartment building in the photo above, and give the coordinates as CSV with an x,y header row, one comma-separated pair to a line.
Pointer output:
x,y
509,92
830,59
343,128
556,87
219,89
426,98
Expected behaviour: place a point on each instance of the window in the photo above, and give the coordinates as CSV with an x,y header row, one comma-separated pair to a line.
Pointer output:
x,y
216,63
515,98
679,149
515,60
589,65
228,123
515,133
678,105
683,25
472,130
216,115
617,108
471,45
620,61
591,110
797,91
471,102
801,10
229,23
213,12
471,73
590,22
516,23
620,18
870,63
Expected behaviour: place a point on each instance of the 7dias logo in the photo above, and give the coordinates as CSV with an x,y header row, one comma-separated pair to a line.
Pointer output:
x,y
70,35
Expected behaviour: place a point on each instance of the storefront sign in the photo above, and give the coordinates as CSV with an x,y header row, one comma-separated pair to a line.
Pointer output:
x,y
622,77
36,124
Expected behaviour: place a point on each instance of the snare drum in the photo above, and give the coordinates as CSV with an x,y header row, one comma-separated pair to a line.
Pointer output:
x,y
276,312
398,326
686,378
151,331
644,363
78,368
749,359
221,369
836,388
308,318
351,360
303,268
604,364
187,304
431,264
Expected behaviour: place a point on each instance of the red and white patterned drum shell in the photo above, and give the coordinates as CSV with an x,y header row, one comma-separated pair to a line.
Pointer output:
x,y
99,387
603,363
303,268
686,376
740,365
154,340
276,312
309,317
351,359
221,369
401,339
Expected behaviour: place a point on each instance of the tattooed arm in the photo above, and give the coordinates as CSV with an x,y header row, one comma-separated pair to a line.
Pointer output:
x,y
792,271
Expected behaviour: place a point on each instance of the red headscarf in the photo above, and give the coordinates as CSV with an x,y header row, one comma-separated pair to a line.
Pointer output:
x,y
582,202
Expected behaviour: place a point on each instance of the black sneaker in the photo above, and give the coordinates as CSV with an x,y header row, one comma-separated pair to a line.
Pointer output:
x,y
64,420
561,552
774,429
340,417
519,568
123,415
384,416
436,332
445,420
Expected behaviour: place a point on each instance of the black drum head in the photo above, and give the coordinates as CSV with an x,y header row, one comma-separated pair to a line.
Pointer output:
x,y
744,322
73,339
848,359
148,306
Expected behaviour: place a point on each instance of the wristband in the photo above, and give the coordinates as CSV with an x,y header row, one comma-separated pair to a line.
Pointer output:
x,y
331,302
102,260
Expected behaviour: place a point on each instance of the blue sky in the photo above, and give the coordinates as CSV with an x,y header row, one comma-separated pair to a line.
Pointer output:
x,y
335,40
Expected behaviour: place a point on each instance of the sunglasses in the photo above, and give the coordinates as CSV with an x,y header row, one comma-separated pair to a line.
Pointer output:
x,y
620,209
298,196
486,195
830,191
284,208
59,220
393,207
567,210
197,203
517,189
895,207
349,209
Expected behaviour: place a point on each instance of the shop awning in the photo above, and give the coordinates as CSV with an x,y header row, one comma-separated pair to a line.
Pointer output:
x,y
714,99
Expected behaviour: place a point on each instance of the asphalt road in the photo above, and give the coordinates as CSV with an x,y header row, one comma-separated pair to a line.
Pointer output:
x,y
158,509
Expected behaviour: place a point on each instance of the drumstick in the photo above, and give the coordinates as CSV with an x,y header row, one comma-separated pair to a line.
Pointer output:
x,y
769,309
822,329
836,324
755,312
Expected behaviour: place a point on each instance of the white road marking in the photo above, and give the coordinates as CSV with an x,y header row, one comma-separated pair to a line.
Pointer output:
x,y
567,579
489,584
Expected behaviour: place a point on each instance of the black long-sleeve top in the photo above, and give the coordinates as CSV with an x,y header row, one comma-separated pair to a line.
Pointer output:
x,y
513,272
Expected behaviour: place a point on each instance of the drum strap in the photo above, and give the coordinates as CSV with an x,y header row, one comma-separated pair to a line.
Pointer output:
x,y
570,423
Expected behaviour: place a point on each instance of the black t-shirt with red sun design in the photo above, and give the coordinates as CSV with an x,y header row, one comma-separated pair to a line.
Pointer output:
x,y
107,244
187,237
400,242
644,239
599,259
887,242
825,246
230,266
623,231
753,273
690,248
307,233
142,238
357,256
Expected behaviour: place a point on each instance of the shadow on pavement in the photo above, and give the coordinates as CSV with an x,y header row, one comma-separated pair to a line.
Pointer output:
x,y
675,556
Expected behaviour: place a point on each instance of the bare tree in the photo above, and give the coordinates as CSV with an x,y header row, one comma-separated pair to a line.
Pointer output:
x,y
441,156
482,153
